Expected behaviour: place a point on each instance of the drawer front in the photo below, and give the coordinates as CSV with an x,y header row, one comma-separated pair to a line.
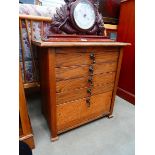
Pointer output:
x,y
76,94
77,112
71,84
81,71
76,56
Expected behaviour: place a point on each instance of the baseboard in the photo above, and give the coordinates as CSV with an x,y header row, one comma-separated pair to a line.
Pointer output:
x,y
126,95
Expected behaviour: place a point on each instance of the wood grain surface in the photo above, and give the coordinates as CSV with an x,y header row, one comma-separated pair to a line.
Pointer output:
x,y
48,87
82,93
79,44
64,82
80,71
81,56
76,83
75,112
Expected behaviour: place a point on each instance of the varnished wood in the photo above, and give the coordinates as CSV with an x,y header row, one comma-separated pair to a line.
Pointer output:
x,y
28,140
32,33
26,128
79,44
40,19
81,93
84,122
75,112
44,84
76,83
25,125
81,55
126,95
80,71
35,18
75,38
31,19
126,33
116,80
64,82
52,82
48,88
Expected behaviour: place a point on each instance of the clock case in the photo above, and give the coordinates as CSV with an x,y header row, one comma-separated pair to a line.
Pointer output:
x,y
72,8
63,21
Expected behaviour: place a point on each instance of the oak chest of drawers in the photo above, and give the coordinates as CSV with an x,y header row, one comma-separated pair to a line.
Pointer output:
x,y
78,81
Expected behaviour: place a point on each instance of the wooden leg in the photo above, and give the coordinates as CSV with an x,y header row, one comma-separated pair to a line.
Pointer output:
x,y
29,141
54,138
110,116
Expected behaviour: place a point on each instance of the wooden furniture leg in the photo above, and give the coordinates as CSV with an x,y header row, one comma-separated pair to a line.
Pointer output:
x,y
25,129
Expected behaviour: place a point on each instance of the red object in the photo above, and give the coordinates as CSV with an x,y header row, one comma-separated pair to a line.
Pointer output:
x,y
110,10
126,33
73,38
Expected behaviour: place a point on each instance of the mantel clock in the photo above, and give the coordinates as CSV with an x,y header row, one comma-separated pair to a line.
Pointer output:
x,y
78,17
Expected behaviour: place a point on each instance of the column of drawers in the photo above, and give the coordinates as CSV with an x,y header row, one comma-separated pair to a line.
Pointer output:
x,y
85,79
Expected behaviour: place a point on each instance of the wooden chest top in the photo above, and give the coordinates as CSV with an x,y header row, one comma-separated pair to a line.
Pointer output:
x,y
78,44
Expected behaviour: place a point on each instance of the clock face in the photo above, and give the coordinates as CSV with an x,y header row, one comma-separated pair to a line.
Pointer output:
x,y
84,15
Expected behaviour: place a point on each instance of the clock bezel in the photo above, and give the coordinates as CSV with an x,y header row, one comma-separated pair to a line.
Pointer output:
x,y
73,6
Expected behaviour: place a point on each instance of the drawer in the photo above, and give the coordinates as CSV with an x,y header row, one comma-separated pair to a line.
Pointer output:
x,y
71,84
76,56
81,71
76,94
77,112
